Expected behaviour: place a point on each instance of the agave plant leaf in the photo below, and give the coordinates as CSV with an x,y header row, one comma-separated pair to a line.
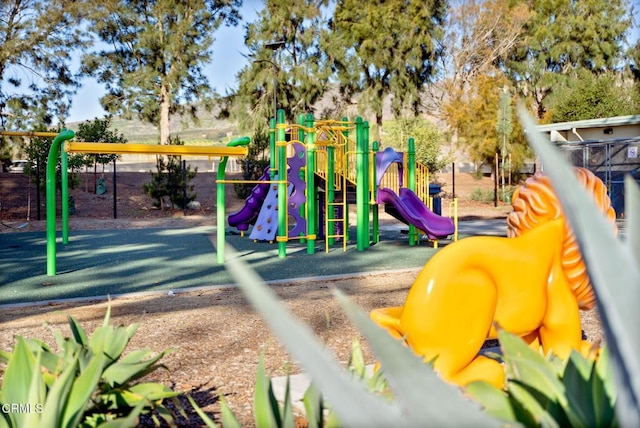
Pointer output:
x,y
286,415
612,264
266,408
129,421
356,360
81,390
425,398
585,393
605,372
313,406
349,398
494,400
79,335
229,420
58,395
111,340
5,418
18,377
49,359
130,367
150,391
632,202
577,389
528,366
232,423
4,356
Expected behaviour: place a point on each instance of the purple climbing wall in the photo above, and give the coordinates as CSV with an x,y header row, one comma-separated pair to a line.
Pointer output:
x,y
266,225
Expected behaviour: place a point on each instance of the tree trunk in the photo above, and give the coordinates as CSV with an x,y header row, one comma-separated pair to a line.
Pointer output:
x,y
164,115
378,136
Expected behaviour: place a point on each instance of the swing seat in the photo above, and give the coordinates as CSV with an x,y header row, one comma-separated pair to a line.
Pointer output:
x,y
20,226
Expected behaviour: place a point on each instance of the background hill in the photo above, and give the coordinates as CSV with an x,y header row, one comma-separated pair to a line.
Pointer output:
x,y
209,130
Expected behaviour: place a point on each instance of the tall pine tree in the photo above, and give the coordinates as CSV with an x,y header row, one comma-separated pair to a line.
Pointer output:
x,y
385,50
296,69
37,41
153,55
562,36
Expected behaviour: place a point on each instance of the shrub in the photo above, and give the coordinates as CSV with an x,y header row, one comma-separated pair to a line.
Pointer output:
x,y
168,181
484,196
88,382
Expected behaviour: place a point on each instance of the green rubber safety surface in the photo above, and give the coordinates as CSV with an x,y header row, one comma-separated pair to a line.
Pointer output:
x,y
97,263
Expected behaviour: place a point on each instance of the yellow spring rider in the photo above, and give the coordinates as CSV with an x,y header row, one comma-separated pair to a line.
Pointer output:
x,y
531,284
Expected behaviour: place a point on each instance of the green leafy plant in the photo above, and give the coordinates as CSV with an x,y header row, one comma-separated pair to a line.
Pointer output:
x,y
548,391
88,382
479,195
169,180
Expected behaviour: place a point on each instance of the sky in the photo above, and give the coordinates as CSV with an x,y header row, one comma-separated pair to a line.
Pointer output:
x,y
227,60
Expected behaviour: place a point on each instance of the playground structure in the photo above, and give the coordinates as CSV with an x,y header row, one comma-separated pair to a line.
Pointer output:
x,y
325,157
531,284
329,166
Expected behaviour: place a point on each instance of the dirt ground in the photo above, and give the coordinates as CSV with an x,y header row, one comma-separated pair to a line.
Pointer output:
x,y
217,338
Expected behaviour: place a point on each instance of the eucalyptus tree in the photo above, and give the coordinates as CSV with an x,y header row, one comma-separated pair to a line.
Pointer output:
x,y
565,35
286,65
153,53
384,50
591,96
37,41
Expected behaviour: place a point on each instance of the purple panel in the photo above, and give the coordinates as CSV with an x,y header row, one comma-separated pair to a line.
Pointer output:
x,y
416,213
383,160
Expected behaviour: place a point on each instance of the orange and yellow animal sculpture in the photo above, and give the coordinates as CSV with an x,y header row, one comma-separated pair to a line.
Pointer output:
x,y
531,284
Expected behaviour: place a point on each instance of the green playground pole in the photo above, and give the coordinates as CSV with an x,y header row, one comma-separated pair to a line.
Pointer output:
x,y
367,186
54,152
272,148
220,199
361,172
374,196
411,184
312,203
282,186
64,194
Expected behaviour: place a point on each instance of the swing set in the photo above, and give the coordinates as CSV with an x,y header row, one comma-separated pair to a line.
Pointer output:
x,y
28,219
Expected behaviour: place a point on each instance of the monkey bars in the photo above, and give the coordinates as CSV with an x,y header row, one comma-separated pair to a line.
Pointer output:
x,y
236,147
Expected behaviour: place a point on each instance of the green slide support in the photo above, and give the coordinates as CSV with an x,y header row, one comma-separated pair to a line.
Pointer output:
x,y
312,202
374,196
411,184
64,192
282,186
52,160
361,199
366,185
220,199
